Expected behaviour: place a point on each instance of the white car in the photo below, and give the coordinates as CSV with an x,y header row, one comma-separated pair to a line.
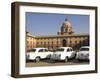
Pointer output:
x,y
63,53
83,53
38,53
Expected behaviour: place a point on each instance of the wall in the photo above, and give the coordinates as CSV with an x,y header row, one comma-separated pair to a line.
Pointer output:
x,y
5,40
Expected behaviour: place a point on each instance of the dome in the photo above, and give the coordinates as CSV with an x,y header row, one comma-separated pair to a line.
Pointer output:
x,y
66,28
67,23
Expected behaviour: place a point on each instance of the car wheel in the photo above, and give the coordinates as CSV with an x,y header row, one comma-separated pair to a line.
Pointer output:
x,y
66,59
37,59
79,60
48,57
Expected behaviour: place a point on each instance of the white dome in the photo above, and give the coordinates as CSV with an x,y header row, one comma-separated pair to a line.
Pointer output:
x,y
67,24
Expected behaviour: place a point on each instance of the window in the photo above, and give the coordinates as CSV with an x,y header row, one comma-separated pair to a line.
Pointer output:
x,y
37,42
41,50
27,42
68,50
60,49
48,43
46,50
44,42
71,49
70,42
75,42
84,49
41,43
52,42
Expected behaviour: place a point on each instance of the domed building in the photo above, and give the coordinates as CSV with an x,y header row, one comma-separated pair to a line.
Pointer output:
x,y
65,37
66,28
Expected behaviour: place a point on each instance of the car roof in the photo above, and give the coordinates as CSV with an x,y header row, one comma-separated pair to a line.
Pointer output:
x,y
85,47
40,48
65,47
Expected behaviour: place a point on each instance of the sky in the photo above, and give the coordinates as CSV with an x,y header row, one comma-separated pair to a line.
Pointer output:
x,y
50,23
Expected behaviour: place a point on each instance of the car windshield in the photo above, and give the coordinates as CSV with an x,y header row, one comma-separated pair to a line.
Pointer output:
x,y
84,49
32,50
60,49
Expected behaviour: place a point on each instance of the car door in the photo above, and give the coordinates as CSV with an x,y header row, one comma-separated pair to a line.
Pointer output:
x,y
41,53
69,52
46,52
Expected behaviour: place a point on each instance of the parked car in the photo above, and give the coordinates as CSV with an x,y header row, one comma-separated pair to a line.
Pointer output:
x,y
63,53
83,53
38,53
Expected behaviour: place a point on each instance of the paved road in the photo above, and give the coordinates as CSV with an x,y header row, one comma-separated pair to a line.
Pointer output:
x,y
54,63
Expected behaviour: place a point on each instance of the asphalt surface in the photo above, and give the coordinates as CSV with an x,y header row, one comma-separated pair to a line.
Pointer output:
x,y
54,63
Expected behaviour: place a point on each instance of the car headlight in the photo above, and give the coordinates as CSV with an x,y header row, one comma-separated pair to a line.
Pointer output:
x,y
82,54
87,54
59,55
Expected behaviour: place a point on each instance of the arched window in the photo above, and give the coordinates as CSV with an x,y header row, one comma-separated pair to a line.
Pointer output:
x,y
64,43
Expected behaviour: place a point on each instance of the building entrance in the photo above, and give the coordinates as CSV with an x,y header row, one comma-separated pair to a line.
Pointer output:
x,y
64,43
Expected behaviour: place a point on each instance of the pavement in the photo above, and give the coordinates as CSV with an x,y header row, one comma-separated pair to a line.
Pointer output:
x,y
47,62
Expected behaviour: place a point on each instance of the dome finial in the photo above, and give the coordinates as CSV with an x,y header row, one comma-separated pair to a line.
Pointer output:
x,y
66,19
